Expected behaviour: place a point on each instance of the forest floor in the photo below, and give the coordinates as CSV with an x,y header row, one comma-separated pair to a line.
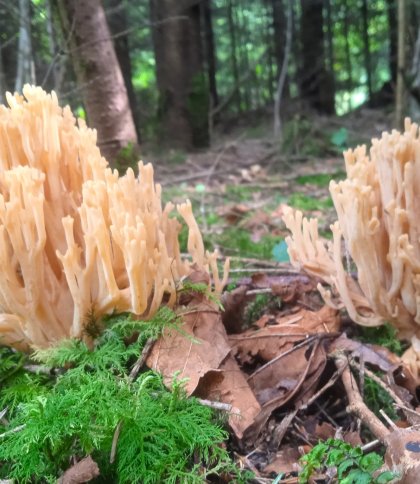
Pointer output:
x,y
239,189
277,356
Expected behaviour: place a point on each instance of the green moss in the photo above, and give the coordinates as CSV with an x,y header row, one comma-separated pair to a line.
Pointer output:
x,y
164,437
320,179
385,335
306,203
238,241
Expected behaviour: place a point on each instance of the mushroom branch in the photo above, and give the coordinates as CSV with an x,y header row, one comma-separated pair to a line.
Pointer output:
x,y
75,237
378,209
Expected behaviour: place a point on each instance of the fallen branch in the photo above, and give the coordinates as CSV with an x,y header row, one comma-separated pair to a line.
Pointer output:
x,y
356,404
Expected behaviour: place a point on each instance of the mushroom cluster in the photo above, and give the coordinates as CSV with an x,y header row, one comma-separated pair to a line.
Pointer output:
x,y
76,237
378,209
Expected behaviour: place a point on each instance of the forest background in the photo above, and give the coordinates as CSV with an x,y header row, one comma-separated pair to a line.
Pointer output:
x,y
243,106
173,74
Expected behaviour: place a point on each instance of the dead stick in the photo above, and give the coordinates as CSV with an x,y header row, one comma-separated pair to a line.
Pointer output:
x,y
380,382
143,357
356,404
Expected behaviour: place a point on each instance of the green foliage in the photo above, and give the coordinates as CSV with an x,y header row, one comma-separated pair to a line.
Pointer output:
x,y
339,138
164,437
320,179
261,304
385,335
127,157
352,465
200,288
306,203
237,240
378,398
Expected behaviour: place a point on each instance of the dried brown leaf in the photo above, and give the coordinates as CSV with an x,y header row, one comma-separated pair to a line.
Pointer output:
x,y
285,461
204,359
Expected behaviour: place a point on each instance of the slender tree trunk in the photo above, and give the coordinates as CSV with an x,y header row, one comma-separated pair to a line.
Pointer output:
x,y
316,82
182,81
25,65
233,54
57,67
283,72
117,21
99,75
2,78
210,51
279,29
400,97
366,47
348,54
393,39
330,36
242,39
269,36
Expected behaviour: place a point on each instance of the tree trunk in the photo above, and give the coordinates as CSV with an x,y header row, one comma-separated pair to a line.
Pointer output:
x,y
348,54
279,29
99,75
2,78
117,21
366,47
233,54
182,82
210,51
316,84
393,39
25,65
400,95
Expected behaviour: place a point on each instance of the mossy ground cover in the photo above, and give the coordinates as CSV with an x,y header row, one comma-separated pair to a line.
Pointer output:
x,y
74,410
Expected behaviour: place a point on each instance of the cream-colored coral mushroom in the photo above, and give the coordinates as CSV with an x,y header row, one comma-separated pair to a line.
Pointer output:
x,y
76,237
378,209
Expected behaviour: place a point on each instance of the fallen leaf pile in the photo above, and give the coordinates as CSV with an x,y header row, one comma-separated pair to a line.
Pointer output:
x,y
277,375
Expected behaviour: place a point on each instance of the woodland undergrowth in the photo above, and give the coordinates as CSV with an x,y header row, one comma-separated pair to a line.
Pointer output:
x,y
70,403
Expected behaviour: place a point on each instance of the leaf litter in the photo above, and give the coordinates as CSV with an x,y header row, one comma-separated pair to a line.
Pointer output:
x,y
285,371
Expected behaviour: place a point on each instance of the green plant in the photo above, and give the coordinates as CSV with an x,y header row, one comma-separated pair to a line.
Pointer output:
x,y
164,436
385,335
320,179
377,399
261,304
304,202
352,465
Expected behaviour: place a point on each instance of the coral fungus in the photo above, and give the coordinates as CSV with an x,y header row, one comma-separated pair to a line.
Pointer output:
x,y
74,235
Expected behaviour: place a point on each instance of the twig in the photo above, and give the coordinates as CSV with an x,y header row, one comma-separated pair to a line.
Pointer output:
x,y
9,432
266,270
307,341
114,442
390,422
371,445
225,407
143,357
380,382
263,290
329,384
356,404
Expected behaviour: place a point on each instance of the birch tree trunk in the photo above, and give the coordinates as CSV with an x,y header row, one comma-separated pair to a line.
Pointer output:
x,y
99,75
400,95
25,65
